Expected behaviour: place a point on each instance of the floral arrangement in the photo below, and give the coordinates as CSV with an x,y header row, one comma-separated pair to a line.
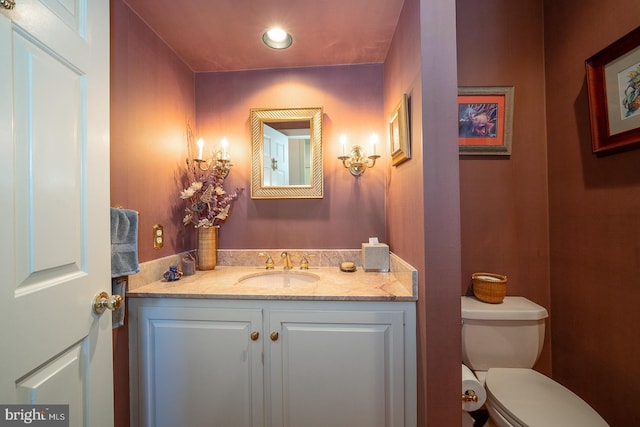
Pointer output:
x,y
208,204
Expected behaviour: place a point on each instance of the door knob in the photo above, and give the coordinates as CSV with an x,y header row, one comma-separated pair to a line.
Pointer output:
x,y
8,4
274,336
103,302
255,335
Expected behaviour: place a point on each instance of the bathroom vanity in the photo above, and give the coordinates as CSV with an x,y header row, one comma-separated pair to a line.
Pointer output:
x,y
214,349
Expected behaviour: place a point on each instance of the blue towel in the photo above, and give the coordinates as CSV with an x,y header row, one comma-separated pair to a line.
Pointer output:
x,y
124,242
118,288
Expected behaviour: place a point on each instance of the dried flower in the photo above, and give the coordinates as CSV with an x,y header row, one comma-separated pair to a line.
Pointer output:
x,y
208,204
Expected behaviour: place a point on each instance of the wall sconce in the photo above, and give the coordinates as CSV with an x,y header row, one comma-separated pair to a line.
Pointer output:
x,y
357,161
221,166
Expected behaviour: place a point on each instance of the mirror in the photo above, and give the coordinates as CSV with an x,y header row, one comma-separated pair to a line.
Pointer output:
x,y
286,153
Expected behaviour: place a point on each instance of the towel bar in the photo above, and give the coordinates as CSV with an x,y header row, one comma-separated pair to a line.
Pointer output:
x,y
122,207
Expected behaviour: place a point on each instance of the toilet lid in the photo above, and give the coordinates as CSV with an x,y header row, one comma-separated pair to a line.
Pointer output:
x,y
533,400
511,308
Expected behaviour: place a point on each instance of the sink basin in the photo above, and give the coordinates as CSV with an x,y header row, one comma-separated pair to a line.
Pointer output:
x,y
279,278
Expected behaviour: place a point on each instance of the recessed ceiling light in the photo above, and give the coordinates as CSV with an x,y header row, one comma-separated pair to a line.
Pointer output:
x,y
277,38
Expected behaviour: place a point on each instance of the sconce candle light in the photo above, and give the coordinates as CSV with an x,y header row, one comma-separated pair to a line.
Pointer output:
x,y
357,161
222,165
223,154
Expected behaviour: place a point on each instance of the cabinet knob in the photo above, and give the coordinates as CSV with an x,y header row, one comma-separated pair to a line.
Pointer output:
x,y
255,335
274,336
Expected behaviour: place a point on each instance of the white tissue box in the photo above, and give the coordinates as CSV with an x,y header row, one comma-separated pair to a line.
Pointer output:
x,y
375,257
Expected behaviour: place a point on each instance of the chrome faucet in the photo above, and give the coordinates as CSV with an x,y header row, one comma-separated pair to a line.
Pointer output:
x,y
286,264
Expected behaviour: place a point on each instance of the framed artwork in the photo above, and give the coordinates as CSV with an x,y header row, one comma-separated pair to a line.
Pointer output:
x,y
485,119
613,84
399,132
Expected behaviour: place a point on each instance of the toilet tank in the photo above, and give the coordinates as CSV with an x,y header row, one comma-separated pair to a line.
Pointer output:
x,y
505,335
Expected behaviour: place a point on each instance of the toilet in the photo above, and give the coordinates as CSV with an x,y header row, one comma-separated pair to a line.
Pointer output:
x,y
500,344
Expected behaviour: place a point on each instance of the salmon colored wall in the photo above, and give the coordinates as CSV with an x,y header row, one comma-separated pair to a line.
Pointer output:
x,y
423,197
594,220
352,209
504,203
152,99
405,198
440,305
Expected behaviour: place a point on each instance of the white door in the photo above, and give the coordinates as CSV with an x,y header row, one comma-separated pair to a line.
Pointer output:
x,y
54,203
276,162
267,163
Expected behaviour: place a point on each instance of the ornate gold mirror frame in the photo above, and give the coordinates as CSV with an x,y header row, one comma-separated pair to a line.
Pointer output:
x,y
261,187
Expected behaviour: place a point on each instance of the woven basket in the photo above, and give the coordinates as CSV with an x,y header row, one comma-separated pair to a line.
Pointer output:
x,y
207,247
489,287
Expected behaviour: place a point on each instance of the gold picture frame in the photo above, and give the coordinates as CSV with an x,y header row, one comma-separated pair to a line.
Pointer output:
x,y
485,120
399,138
258,118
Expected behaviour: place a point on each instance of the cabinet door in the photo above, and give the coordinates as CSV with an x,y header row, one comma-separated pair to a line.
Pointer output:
x,y
200,367
336,368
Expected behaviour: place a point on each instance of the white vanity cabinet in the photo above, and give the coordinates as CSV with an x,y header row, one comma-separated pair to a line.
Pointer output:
x,y
272,363
337,367
195,365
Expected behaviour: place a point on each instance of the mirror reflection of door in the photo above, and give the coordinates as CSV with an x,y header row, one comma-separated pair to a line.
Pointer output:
x,y
299,160
276,157
286,153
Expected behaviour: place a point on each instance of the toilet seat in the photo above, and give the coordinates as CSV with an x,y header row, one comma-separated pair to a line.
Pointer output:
x,y
527,398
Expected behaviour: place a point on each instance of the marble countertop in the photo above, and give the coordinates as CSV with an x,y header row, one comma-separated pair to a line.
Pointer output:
x,y
332,285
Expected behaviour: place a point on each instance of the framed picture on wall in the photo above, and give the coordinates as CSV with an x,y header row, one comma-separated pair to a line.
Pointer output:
x,y
613,84
485,119
399,132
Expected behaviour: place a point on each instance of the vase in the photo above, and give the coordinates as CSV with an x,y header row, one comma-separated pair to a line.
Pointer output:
x,y
207,247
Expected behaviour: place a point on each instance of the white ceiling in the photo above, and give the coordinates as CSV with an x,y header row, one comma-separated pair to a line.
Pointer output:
x,y
226,35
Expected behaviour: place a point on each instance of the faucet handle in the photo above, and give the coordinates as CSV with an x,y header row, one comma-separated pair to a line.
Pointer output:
x,y
269,264
304,261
